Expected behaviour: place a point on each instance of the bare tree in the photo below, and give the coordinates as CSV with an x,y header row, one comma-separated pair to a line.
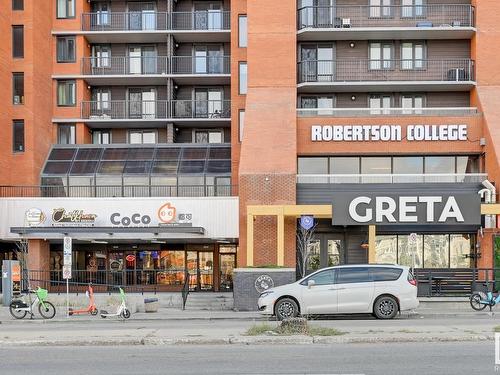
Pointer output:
x,y
304,239
22,257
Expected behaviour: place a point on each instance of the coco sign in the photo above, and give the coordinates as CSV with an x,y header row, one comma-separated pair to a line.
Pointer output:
x,y
406,209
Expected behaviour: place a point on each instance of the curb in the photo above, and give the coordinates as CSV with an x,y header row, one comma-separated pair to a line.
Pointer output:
x,y
248,340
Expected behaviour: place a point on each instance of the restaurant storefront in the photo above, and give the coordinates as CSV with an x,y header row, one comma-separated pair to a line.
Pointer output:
x,y
142,243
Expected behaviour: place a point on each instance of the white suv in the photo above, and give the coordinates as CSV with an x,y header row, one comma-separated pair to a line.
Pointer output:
x,y
379,289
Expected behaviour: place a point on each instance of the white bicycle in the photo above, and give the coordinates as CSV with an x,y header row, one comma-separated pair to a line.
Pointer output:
x,y
19,308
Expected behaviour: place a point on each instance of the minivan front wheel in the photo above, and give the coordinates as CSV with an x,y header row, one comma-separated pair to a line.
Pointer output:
x,y
386,307
286,308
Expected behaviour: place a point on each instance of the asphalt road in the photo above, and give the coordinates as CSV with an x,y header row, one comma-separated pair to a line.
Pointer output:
x,y
414,358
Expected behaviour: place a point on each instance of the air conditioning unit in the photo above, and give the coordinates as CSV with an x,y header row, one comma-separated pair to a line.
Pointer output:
x,y
346,23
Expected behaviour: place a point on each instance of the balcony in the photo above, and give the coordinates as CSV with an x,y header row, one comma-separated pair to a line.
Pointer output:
x,y
385,75
439,21
151,26
455,178
144,70
387,112
153,111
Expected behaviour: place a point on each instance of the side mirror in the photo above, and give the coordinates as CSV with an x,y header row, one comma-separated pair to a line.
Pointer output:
x,y
310,283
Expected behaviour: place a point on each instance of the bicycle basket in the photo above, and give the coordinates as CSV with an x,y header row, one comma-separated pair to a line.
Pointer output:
x,y
42,293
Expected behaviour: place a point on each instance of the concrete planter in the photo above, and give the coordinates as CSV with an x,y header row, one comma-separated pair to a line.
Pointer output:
x,y
250,282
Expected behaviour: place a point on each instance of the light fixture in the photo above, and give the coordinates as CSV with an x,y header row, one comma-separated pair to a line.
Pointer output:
x,y
352,45
353,97
176,87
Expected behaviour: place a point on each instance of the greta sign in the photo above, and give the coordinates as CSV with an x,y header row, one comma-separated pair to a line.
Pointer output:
x,y
406,209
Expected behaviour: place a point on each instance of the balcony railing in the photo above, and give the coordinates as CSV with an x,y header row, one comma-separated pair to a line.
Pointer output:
x,y
368,112
352,70
156,109
391,178
425,16
123,190
211,20
144,65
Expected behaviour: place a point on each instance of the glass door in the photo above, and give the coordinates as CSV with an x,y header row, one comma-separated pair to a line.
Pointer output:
x,y
135,103
134,60
326,250
192,268
149,104
309,56
208,16
214,103
200,60
206,270
149,60
215,60
227,266
201,103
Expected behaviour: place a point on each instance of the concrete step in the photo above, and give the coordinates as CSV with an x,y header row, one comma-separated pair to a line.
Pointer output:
x,y
210,301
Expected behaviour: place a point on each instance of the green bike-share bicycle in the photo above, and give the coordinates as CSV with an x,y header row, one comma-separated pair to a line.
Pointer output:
x,y
19,308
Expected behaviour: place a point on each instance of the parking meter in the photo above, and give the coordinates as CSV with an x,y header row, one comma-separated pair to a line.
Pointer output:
x,y
11,280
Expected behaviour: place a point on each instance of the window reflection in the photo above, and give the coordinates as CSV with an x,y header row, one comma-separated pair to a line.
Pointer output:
x,y
436,251
386,249
460,251
410,253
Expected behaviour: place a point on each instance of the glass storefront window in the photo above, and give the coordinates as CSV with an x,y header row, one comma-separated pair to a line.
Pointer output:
x,y
436,251
386,248
334,248
377,166
439,164
313,165
344,165
313,261
408,251
460,250
408,165
171,264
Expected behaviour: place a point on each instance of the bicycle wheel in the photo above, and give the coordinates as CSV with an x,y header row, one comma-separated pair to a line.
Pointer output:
x,y
47,312
475,301
13,308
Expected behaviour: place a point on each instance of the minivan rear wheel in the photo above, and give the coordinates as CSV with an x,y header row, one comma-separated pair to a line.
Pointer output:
x,y
286,308
385,307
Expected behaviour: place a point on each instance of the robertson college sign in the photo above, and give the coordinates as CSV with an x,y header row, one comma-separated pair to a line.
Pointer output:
x,y
393,209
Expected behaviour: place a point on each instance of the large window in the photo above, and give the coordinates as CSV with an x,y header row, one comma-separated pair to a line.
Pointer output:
x,y
412,55
241,124
428,251
18,136
142,136
412,8
313,165
380,104
381,55
66,93
376,165
242,31
412,103
66,134
208,136
243,78
18,88
380,8
65,8
101,137
66,49
17,4
18,41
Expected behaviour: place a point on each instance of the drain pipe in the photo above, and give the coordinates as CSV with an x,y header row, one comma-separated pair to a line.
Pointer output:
x,y
490,197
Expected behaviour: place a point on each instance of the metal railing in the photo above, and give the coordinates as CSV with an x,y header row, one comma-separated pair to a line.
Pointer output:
x,y
144,65
391,178
368,112
433,282
185,289
353,70
155,109
203,20
425,16
124,190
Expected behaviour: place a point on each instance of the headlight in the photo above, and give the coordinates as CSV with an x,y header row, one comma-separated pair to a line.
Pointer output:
x,y
266,293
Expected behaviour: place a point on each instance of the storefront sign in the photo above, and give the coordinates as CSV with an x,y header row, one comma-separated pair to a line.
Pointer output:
x,y
388,133
307,222
263,283
134,219
166,213
34,216
394,209
61,216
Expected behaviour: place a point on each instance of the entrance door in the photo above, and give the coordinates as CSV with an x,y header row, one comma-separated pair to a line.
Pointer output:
x,y
227,265
326,250
200,266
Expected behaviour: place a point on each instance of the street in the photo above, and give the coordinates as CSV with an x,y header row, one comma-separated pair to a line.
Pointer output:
x,y
369,359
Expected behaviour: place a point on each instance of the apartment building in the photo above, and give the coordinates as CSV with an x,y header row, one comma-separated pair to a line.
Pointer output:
x,y
175,136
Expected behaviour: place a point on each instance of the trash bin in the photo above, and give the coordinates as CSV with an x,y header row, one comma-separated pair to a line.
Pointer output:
x,y
151,305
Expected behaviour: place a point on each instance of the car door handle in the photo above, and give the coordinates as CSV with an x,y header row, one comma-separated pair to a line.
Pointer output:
x,y
336,289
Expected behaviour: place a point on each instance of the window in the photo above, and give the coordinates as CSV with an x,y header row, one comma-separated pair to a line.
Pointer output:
x,y
381,55
410,253
66,49
243,78
142,136
101,98
460,251
385,273
208,136
18,41
100,56
66,93
66,134
386,249
380,8
17,4
412,104
18,88
412,8
101,137
380,104
376,165
325,277
65,8
440,164
241,124
18,136
313,165
242,31
353,275
412,56
326,102
436,251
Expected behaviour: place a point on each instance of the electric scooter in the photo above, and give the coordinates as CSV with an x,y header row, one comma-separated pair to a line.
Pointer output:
x,y
91,308
122,309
